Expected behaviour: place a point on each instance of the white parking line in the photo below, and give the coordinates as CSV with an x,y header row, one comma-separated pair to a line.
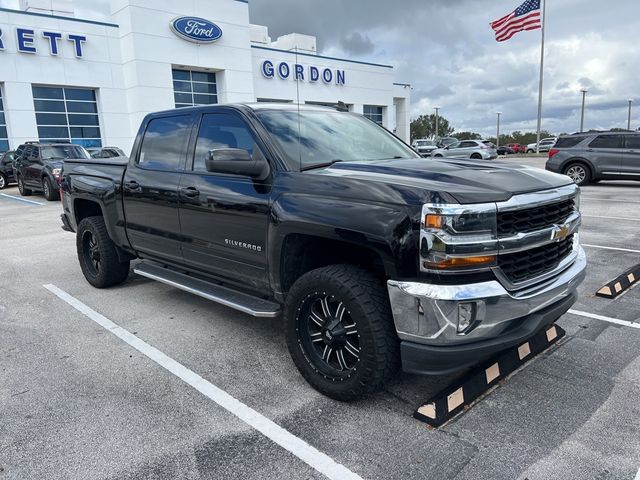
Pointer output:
x,y
610,217
13,197
610,248
301,449
582,197
595,316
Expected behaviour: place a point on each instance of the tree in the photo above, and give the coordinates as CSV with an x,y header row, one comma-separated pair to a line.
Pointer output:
x,y
425,127
467,136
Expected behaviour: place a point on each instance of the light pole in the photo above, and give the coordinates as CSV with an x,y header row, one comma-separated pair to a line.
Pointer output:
x,y
584,93
437,109
629,114
498,130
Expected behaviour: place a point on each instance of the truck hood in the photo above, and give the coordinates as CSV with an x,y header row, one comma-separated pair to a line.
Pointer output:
x,y
467,181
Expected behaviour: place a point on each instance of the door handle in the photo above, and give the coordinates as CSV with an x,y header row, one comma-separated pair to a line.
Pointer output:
x,y
190,192
132,185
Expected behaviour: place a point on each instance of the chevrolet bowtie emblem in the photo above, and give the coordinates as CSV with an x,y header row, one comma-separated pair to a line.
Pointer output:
x,y
559,233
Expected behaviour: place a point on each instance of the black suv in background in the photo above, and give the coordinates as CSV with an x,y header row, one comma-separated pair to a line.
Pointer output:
x,y
39,166
6,169
594,156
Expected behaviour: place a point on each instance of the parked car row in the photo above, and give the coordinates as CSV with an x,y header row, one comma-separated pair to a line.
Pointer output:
x,y
474,149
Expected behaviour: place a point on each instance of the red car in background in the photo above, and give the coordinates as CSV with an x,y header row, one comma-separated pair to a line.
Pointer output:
x,y
516,147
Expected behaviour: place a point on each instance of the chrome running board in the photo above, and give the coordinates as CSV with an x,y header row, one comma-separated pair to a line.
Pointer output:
x,y
243,302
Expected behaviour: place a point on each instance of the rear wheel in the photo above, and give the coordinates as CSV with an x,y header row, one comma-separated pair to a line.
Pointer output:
x,y
3,181
476,156
24,191
49,192
438,155
340,332
97,254
578,172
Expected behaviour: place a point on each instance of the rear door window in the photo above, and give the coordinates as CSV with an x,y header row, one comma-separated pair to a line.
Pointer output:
x,y
607,141
632,142
164,146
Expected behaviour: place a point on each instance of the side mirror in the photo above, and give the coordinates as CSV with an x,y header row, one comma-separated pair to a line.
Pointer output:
x,y
236,161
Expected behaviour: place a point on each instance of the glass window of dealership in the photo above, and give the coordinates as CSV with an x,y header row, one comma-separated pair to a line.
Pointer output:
x,y
67,115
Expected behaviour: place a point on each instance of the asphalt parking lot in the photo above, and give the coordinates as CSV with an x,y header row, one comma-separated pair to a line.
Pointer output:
x,y
76,401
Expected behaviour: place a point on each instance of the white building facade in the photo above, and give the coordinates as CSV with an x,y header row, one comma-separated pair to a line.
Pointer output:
x,y
91,82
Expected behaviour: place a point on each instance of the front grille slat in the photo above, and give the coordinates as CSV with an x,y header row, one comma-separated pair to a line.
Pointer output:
x,y
522,266
532,219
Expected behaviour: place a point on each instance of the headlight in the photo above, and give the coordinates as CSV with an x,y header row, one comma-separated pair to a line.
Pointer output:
x,y
458,237
56,172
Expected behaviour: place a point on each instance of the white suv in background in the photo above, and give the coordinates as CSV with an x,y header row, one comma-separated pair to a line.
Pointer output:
x,y
544,145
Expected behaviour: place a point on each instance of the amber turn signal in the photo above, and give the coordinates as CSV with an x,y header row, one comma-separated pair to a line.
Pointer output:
x,y
433,221
458,262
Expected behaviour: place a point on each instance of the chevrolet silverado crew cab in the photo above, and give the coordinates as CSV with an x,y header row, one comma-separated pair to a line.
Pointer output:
x,y
374,259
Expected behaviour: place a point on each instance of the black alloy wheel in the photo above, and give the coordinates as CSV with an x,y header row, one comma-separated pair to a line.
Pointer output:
x,y
91,252
98,255
340,332
329,336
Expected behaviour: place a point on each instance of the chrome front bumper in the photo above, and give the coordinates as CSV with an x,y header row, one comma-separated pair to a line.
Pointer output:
x,y
428,314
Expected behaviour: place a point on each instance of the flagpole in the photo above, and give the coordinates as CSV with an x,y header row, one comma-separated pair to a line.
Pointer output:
x,y
544,8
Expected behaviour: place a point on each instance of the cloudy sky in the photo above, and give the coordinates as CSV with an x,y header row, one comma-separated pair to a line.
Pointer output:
x,y
447,51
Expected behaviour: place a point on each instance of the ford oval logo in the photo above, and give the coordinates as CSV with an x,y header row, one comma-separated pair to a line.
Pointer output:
x,y
196,29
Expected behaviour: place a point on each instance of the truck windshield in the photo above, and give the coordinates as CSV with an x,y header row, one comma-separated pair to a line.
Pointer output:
x,y
64,151
310,138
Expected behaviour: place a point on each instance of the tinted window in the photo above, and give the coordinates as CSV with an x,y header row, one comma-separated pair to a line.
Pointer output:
x,y
467,145
607,141
165,143
220,130
63,151
633,142
568,142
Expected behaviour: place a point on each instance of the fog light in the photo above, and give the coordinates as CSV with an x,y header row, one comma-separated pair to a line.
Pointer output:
x,y
466,316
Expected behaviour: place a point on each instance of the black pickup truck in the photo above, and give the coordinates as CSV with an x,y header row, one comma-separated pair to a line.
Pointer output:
x,y
374,257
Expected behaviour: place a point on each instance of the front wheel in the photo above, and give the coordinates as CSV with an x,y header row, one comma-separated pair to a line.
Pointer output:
x,y
3,181
340,333
24,191
97,254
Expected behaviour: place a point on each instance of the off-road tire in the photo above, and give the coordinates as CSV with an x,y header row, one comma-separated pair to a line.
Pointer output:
x,y
110,271
366,303
48,191
24,191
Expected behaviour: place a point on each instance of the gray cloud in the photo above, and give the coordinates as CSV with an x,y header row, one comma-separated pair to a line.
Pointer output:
x,y
357,44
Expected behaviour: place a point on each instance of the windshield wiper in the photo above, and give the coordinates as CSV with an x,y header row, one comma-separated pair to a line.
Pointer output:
x,y
320,165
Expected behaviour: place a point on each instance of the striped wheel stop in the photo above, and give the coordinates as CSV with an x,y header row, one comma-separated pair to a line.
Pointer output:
x,y
621,283
459,396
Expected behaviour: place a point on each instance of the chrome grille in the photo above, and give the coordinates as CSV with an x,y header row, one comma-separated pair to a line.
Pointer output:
x,y
526,265
536,218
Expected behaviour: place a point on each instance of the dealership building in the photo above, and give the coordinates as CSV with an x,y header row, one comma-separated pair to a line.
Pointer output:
x,y
91,82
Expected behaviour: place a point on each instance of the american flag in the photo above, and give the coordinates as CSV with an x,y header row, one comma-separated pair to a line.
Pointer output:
x,y
525,17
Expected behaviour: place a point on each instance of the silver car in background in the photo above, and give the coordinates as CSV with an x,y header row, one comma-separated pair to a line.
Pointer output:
x,y
424,146
474,149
